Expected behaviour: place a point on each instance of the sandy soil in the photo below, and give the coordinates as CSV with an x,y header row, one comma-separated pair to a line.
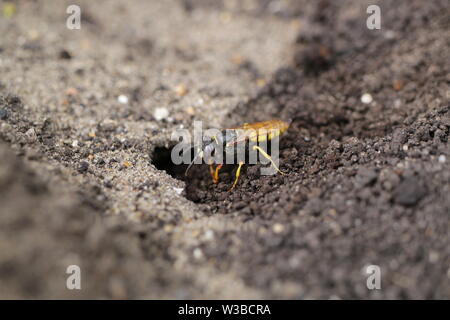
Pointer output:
x,y
86,177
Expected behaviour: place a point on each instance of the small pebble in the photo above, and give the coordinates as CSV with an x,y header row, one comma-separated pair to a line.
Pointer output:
x,y
237,59
71,92
3,114
409,192
75,144
261,82
64,54
200,102
209,235
178,190
181,90
398,84
405,147
190,110
442,159
109,125
168,228
108,183
278,228
198,254
389,34
433,257
366,98
31,134
123,99
160,113
365,177
127,164
83,167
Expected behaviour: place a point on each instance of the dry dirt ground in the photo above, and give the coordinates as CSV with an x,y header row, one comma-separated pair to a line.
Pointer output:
x,y
85,171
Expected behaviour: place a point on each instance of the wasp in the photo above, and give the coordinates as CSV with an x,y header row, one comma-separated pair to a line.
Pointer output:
x,y
248,135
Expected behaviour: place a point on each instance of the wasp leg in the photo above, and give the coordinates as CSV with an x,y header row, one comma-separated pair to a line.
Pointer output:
x,y
238,173
265,155
211,171
216,173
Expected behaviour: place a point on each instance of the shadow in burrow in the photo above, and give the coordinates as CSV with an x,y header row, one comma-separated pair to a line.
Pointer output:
x,y
200,187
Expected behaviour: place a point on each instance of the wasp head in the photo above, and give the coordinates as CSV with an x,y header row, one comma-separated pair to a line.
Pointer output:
x,y
205,151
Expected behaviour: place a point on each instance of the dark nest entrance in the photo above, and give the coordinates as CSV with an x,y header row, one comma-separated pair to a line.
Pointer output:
x,y
200,187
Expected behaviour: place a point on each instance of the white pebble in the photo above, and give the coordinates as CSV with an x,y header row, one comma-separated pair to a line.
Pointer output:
x,y
198,254
178,190
75,143
123,99
278,228
366,98
160,113
442,159
433,257
200,102
405,147
389,34
209,235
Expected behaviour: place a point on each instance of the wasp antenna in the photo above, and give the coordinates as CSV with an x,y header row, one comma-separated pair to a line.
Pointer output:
x,y
190,165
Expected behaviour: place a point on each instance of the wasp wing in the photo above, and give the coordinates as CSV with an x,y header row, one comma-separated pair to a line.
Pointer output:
x,y
258,131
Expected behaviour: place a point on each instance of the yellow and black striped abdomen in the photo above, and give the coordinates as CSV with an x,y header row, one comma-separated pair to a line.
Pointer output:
x,y
260,131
